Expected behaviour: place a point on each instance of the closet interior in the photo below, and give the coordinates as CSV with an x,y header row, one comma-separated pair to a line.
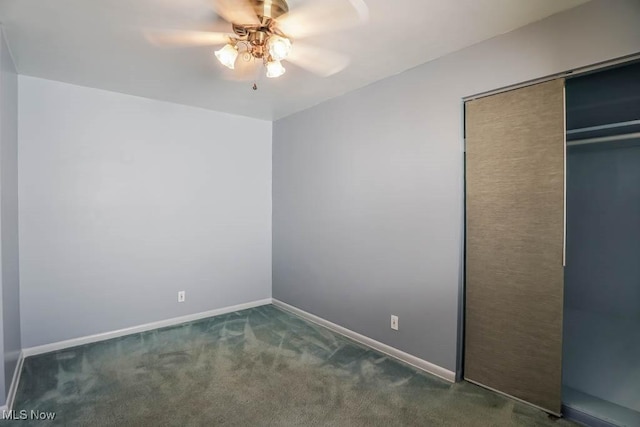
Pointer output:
x,y
601,332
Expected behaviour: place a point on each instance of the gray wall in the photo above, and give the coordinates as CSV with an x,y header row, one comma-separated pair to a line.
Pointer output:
x,y
9,215
368,187
602,292
125,201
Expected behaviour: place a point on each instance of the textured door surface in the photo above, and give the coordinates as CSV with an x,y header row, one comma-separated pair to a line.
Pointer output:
x,y
514,243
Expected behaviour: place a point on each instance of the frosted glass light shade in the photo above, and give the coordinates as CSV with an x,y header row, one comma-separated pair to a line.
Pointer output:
x,y
275,69
227,56
279,47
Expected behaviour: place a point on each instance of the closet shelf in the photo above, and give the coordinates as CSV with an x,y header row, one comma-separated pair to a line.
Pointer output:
x,y
603,127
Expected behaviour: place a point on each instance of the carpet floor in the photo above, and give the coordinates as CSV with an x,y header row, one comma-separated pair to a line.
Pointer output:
x,y
257,367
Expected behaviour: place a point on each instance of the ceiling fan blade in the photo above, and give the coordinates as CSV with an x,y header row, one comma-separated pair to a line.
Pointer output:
x,y
322,17
319,61
236,11
179,38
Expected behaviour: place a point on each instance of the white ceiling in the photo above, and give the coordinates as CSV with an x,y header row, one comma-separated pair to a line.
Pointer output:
x,y
98,43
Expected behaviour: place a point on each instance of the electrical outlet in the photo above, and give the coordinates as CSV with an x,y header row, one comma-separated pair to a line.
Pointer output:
x,y
394,322
181,296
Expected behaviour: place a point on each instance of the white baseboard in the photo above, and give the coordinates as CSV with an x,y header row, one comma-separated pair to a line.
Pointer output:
x,y
13,388
61,345
407,358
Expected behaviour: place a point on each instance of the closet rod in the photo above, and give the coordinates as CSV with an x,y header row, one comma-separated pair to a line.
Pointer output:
x,y
604,139
603,127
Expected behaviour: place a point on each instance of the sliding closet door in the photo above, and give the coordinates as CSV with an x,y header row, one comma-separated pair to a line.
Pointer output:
x,y
514,243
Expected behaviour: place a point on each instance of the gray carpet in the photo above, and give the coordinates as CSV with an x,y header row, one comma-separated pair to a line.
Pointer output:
x,y
258,367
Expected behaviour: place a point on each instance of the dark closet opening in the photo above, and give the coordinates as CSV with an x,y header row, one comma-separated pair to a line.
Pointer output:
x,y
601,338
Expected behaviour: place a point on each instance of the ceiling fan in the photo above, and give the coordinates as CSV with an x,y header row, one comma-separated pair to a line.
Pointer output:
x,y
266,32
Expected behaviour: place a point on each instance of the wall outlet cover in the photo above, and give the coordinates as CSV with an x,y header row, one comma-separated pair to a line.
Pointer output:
x,y
394,322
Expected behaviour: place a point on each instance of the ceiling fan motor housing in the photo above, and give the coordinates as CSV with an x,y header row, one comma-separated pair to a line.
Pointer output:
x,y
270,8
257,35
268,11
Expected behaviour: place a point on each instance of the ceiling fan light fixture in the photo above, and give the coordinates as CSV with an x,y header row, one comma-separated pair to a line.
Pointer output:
x,y
261,31
275,69
279,47
227,56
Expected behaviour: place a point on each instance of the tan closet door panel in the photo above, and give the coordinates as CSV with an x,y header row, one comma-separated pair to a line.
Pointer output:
x,y
515,239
